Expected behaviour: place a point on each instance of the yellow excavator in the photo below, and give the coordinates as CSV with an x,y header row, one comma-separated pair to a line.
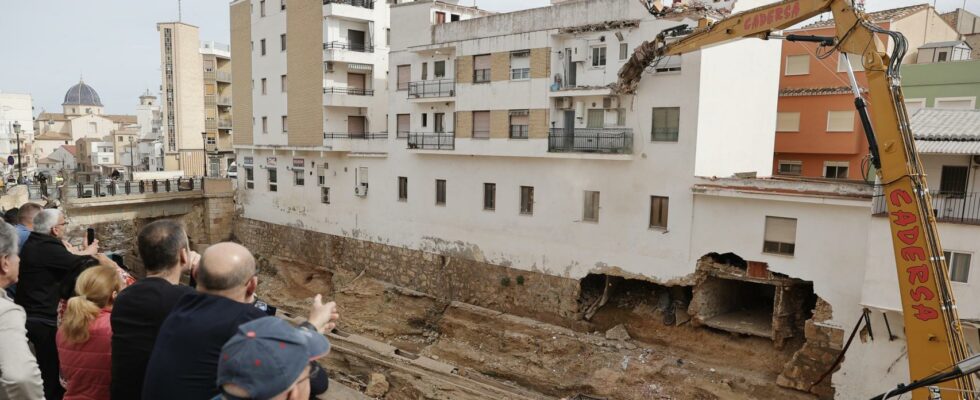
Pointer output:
x,y
940,365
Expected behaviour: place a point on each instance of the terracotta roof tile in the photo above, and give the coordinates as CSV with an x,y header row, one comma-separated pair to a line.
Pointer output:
x,y
877,16
820,91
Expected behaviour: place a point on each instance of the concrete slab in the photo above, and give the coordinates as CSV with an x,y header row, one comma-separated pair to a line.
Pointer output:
x,y
338,391
749,322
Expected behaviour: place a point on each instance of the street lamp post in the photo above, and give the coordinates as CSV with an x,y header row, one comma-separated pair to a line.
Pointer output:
x,y
20,167
204,146
132,159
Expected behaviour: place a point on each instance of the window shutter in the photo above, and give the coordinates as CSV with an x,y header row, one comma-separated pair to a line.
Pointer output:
x,y
481,62
781,230
798,65
481,124
840,121
788,122
404,124
404,75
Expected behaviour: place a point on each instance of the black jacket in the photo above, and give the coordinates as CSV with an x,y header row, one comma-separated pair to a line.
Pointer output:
x,y
47,273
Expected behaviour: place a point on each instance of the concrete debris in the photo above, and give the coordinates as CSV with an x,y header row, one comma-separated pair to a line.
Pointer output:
x,y
618,332
377,386
602,26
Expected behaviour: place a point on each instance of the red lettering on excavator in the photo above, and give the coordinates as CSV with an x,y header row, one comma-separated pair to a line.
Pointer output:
x,y
924,312
909,236
779,13
920,292
771,17
913,254
919,273
904,217
898,195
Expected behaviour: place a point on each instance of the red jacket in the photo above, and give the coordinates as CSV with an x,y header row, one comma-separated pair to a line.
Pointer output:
x,y
87,366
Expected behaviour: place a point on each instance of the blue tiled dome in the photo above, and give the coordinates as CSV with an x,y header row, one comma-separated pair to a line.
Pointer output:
x,y
82,95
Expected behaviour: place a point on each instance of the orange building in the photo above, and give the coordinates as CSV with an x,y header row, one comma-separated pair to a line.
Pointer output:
x,y
818,132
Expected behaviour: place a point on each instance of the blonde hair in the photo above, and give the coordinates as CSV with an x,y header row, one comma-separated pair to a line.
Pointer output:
x,y
94,287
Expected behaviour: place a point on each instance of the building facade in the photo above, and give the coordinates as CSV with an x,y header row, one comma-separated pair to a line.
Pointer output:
x,y
182,102
946,85
216,60
91,155
16,108
817,131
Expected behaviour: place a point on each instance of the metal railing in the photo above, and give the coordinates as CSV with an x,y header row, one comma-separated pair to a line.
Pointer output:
x,y
481,75
436,88
356,3
356,135
955,207
348,45
105,188
349,90
432,141
591,140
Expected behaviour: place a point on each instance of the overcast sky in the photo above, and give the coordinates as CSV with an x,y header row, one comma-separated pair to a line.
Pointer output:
x,y
47,44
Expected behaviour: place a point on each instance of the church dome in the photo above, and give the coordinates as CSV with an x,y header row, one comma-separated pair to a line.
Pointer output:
x,y
82,95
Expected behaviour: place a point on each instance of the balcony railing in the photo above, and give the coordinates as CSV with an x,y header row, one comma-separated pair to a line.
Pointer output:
x,y
957,207
591,140
356,3
356,135
427,89
224,101
352,46
224,124
223,76
432,141
349,90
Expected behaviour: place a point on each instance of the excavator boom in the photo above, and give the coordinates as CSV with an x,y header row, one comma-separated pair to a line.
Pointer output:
x,y
933,332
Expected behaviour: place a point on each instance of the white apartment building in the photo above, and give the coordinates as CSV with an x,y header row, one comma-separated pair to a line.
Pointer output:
x,y
506,145
149,148
182,105
16,108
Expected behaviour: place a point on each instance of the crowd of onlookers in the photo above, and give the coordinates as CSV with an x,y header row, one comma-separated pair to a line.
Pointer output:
x,y
74,324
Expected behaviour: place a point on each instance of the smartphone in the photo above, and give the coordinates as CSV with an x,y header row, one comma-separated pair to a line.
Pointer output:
x,y
90,235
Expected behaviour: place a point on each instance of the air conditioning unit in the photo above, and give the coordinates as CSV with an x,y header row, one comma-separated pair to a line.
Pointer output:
x,y
610,102
361,190
564,103
329,67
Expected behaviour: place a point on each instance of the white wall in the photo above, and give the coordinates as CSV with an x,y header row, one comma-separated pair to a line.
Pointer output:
x,y
271,66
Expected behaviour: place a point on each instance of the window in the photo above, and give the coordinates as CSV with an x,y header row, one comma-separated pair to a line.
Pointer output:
x,y
282,42
273,180
790,167
518,124
599,56
264,86
261,8
590,207
787,122
942,56
262,46
658,211
321,174
780,236
489,196
285,124
666,121
440,192
325,195
856,62
520,65
840,121
425,71
481,68
282,4
439,120
265,124
388,36
404,76
425,120
621,117
481,124
283,83
299,178
527,200
439,69
953,180
624,50
595,118
403,123
956,103
835,169
914,104
453,17
440,18
249,178
402,188
798,65
120,138
959,265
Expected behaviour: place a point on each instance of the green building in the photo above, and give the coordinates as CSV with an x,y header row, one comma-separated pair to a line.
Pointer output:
x,y
954,84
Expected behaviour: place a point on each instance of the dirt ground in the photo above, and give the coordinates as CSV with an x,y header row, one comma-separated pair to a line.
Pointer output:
x,y
657,362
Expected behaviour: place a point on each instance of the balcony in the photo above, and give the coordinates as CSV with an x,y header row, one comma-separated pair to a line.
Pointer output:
x,y
348,90
591,140
369,4
356,135
432,141
223,76
437,90
224,123
349,46
357,142
957,208
224,101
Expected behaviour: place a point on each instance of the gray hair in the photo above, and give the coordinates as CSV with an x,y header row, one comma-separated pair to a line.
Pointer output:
x,y
45,220
8,240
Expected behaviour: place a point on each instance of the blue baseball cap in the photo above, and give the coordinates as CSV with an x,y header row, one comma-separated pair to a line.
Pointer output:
x,y
267,355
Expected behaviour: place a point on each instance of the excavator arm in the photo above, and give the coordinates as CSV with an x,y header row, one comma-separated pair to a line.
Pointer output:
x,y
933,332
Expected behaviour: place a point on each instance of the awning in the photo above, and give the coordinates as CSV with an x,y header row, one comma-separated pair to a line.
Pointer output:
x,y
948,146
359,67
